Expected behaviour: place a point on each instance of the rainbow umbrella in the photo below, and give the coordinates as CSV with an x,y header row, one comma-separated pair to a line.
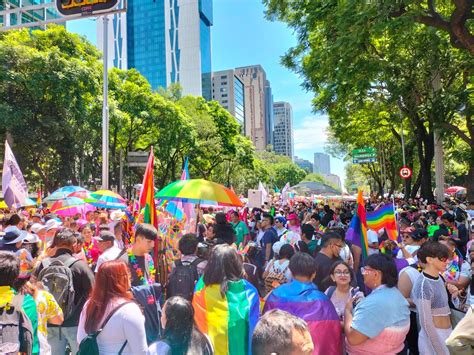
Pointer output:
x,y
199,191
63,192
70,206
108,199
83,195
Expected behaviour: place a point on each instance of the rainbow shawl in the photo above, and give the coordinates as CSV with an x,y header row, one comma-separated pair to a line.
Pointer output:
x,y
228,321
304,300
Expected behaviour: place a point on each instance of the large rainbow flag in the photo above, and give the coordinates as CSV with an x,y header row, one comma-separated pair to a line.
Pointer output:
x,y
228,321
357,232
384,217
304,300
147,200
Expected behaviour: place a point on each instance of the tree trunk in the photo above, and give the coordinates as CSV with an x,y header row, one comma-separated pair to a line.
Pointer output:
x,y
470,178
416,186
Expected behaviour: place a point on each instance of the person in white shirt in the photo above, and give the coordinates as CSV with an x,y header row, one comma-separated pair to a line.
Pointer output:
x,y
108,248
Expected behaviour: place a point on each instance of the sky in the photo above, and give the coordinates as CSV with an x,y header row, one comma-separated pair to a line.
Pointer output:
x,y
242,36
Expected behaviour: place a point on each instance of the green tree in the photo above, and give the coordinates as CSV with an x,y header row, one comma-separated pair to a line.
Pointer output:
x,y
49,83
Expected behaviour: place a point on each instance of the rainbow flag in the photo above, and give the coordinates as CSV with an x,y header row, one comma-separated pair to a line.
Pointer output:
x,y
228,321
357,232
384,217
147,200
304,300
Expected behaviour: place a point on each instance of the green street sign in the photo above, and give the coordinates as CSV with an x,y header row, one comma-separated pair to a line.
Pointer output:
x,y
364,153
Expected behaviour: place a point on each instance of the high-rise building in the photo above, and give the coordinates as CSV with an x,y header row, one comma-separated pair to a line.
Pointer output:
x,y
304,164
257,95
228,90
26,16
283,129
166,41
269,114
333,179
322,163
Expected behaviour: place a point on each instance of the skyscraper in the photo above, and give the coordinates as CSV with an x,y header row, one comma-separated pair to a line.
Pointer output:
x,y
283,130
228,90
166,41
257,95
26,16
269,114
322,163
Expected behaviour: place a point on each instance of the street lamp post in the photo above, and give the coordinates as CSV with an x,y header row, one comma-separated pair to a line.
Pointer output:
x,y
105,109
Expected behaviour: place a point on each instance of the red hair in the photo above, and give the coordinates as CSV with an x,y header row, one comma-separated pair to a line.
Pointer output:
x,y
112,281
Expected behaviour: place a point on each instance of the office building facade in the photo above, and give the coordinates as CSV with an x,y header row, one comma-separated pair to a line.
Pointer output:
x,y
256,95
229,91
27,16
283,129
304,164
166,41
322,163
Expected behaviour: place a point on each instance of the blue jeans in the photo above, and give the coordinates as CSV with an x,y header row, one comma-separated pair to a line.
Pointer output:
x,y
58,338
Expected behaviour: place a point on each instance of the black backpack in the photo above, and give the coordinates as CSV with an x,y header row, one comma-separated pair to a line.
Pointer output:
x,y
88,345
16,331
57,279
182,279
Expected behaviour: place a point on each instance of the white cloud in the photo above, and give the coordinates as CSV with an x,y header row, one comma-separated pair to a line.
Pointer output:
x,y
311,133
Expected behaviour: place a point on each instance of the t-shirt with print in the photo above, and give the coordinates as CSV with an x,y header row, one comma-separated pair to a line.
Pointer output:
x,y
47,308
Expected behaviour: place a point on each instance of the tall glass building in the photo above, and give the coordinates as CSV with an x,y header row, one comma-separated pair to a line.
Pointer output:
x,y
167,41
28,16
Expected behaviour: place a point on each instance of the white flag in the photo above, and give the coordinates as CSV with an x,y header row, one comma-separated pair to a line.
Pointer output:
x,y
264,192
284,193
14,186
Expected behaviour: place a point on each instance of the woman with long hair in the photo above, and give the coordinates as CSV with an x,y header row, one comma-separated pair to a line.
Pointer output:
x,y
180,337
111,299
226,305
343,276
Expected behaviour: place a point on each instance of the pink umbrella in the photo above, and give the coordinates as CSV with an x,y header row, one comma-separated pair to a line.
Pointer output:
x,y
454,190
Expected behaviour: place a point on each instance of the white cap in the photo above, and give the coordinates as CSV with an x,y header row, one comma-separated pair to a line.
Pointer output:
x,y
37,227
31,238
52,224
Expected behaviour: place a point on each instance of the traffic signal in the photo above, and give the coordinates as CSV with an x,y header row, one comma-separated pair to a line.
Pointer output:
x,y
78,7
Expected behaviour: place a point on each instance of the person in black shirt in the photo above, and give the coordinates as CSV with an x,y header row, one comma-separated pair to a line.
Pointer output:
x,y
138,259
331,245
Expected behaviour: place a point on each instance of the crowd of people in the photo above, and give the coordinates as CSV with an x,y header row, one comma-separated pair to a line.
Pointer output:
x,y
281,279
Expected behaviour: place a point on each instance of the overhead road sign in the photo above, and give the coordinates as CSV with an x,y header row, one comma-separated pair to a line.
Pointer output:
x,y
79,7
364,160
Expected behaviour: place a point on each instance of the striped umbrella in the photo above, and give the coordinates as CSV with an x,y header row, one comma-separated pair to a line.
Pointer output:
x,y
62,193
83,195
108,199
199,191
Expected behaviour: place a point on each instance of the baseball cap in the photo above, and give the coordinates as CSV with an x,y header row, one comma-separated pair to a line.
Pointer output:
x,y
105,236
31,238
292,216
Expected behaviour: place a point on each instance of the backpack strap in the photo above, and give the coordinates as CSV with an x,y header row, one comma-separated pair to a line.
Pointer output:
x,y
70,262
331,290
112,313
178,263
196,262
124,250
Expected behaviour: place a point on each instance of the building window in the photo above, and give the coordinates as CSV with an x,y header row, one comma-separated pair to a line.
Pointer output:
x,y
224,95
224,101
223,90
223,76
224,83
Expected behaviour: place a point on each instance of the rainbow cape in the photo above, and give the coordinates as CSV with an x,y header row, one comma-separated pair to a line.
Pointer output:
x,y
357,232
304,300
147,200
384,217
228,321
